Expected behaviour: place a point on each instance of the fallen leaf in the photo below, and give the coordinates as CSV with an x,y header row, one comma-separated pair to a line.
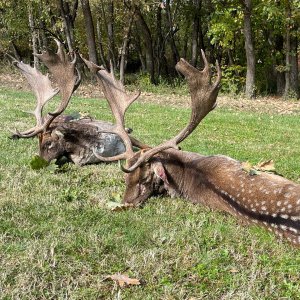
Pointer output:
x,y
233,270
266,166
115,206
123,280
116,197
246,166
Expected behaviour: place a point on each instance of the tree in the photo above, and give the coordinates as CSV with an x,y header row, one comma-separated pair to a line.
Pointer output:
x,y
100,43
172,29
124,48
160,50
90,32
255,41
291,59
69,16
249,48
148,43
196,30
33,34
111,34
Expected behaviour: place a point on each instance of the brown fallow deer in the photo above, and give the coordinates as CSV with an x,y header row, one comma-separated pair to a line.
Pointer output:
x,y
217,181
77,139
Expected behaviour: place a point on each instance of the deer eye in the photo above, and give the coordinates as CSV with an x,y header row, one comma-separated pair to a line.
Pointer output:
x,y
49,145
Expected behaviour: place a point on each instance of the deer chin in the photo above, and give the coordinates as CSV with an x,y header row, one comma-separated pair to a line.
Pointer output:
x,y
137,193
139,200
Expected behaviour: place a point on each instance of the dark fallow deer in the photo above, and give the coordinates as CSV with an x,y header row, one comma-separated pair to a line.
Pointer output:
x,y
80,140
217,181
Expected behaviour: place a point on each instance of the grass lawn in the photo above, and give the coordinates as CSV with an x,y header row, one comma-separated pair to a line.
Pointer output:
x,y
59,239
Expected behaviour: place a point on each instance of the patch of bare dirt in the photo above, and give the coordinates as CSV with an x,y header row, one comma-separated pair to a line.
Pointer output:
x,y
270,105
13,80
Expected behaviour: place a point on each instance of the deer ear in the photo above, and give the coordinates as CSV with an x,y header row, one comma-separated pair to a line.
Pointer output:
x,y
159,171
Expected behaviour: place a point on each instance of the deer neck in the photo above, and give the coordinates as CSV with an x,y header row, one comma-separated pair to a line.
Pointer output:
x,y
190,176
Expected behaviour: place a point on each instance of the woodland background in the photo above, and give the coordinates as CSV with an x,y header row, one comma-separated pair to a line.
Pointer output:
x,y
256,41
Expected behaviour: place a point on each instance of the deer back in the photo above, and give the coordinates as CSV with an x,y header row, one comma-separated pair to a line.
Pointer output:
x,y
262,198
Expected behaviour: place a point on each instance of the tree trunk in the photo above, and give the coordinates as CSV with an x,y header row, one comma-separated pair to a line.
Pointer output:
x,y
172,31
90,32
137,42
201,36
33,35
161,62
195,35
230,58
280,83
294,84
291,89
101,51
185,43
287,57
148,45
43,35
124,49
67,28
68,17
278,60
250,76
15,51
111,35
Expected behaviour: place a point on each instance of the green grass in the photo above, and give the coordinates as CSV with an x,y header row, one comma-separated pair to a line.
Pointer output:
x,y
58,239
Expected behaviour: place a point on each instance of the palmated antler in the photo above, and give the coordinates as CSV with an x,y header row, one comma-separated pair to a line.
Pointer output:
x,y
42,88
63,72
119,101
203,100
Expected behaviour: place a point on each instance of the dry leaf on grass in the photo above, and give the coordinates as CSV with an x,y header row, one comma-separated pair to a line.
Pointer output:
x,y
123,280
233,270
267,166
115,206
246,166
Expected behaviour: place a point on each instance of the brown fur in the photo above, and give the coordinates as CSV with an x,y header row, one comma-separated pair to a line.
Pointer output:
x,y
221,183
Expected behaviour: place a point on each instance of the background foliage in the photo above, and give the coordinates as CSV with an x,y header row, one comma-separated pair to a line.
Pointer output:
x,y
157,33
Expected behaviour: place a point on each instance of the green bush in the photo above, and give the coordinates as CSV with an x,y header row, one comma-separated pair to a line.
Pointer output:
x,y
233,79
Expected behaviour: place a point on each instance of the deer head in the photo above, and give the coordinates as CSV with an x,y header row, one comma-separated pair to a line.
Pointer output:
x,y
63,71
145,173
52,145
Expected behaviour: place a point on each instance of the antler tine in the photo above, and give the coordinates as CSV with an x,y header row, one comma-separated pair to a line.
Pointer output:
x,y
203,100
42,88
119,101
112,71
63,72
78,79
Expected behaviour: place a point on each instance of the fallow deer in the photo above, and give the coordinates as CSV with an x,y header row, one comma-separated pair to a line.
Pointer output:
x,y
217,181
78,139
